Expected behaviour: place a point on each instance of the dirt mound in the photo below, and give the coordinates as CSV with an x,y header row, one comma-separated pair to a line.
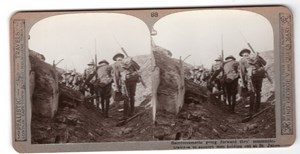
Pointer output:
x,y
44,86
170,92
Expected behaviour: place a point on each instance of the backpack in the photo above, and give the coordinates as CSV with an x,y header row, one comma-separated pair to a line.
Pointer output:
x,y
104,75
230,70
132,77
205,75
128,63
131,70
257,64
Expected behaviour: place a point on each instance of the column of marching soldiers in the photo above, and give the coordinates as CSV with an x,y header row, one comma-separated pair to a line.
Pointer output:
x,y
230,80
102,81
227,79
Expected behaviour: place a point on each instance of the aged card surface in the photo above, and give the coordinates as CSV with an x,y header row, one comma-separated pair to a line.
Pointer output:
x,y
172,78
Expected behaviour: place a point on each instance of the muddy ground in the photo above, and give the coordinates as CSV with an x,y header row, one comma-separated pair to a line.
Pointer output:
x,y
85,123
196,121
207,120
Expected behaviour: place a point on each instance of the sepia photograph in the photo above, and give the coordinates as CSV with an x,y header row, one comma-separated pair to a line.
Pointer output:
x,y
217,72
90,79
153,79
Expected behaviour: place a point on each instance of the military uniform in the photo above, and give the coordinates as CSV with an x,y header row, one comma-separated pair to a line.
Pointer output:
x,y
193,74
205,75
90,79
125,80
66,77
217,78
200,76
72,80
253,73
104,83
197,73
231,81
79,83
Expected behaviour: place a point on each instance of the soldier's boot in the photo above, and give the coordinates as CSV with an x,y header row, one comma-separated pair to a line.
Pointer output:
x,y
107,107
229,104
251,102
224,97
257,102
233,103
102,106
126,109
90,103
229,107
131,105
232,109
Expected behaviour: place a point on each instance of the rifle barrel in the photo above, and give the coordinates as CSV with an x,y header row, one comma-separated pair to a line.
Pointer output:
x,y
222,49
96,53
249,45
124,51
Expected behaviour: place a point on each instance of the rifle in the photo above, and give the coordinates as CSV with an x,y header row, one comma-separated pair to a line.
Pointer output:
x,y
266,73
241,77
95,56
251,84
217,72
135,69
222,58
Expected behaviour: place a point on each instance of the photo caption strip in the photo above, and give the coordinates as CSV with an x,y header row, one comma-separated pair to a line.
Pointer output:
x,y
20,80
286,77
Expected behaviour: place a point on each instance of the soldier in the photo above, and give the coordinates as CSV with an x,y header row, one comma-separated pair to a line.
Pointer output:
x,y
72,79
125,80
252,75
217,78
79,84
193,74
89,78
205,75
231,81
104,81
65,77
197,74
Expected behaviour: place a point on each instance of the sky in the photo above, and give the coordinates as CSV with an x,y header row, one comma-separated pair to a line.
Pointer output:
x,y
203,34
77,38
200,33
